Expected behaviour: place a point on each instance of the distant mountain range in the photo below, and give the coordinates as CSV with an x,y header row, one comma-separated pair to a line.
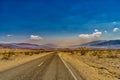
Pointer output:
x,y
27,46
101,44
94,44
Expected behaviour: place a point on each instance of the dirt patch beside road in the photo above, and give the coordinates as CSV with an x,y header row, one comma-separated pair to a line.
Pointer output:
x,y
17,60
89,68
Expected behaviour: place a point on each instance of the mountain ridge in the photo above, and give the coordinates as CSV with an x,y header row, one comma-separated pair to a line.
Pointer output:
x,y
27,45
101,44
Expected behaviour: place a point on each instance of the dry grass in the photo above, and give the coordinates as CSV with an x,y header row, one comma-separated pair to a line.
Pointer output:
x,y
12,57
95,64
8,54
92,64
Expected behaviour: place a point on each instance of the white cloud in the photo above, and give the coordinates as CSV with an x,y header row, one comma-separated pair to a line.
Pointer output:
x,y
93,36
9,35
114,22
96,30
105,31
35,37
84,36
116,29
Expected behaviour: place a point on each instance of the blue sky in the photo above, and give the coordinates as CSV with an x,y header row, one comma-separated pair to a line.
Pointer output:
x,y
58,19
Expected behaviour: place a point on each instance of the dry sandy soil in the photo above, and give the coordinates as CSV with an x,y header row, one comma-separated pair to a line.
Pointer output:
x,y
94,67
17,60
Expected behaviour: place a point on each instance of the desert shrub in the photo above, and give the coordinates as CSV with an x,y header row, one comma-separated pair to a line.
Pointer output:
x,y
26,53
30,53
99,55
94,53
72,52
36,52
7,55
82,52
112,56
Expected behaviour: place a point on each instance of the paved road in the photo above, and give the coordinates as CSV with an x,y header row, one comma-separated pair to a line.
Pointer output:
x,y
49,67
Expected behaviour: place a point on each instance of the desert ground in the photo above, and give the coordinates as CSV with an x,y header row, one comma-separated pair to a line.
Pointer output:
x,y
95,64
90,64
13,57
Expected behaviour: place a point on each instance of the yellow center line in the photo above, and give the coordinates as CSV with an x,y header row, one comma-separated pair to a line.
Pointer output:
x,y
41,64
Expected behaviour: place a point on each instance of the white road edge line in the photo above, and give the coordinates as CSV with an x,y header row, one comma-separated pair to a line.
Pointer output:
x,y
68,68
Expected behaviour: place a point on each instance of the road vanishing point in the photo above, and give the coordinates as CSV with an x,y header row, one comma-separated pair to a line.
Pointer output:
x,y
49,67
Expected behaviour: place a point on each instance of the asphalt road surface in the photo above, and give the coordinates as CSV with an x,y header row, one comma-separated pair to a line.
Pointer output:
x,y
50,67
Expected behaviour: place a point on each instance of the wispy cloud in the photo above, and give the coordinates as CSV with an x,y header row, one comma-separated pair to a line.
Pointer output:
x,y
105,31
35,37
9,35
114,23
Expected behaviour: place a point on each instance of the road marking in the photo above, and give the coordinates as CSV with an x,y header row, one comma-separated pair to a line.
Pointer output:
x,y
68,68
41,64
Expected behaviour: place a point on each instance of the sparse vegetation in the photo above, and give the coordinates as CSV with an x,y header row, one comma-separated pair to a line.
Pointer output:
x,y
7,54
106,62
14,57
95,64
